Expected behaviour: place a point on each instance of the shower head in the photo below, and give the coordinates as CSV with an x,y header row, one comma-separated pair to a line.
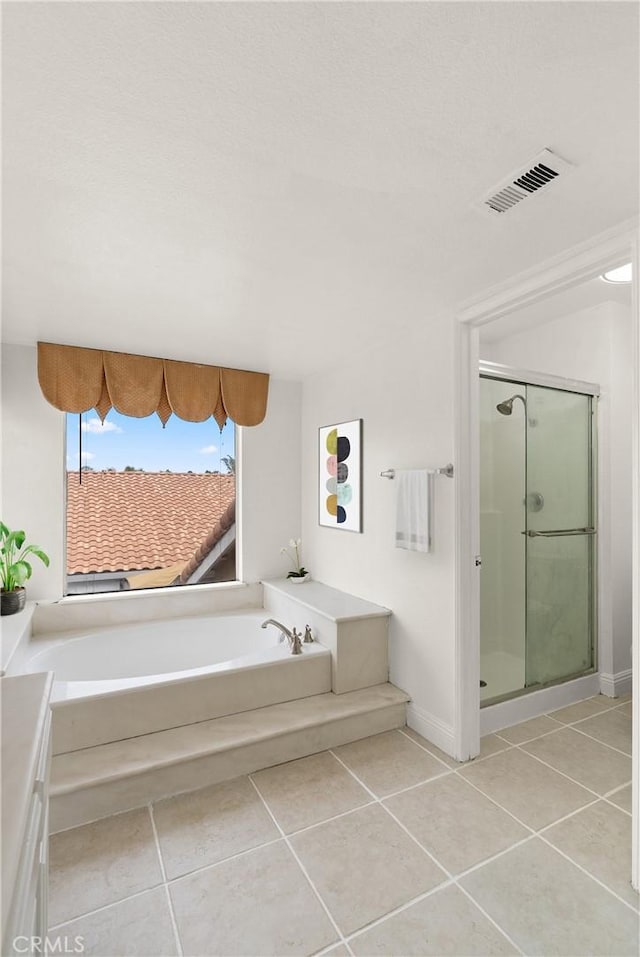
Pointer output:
x,y
506,407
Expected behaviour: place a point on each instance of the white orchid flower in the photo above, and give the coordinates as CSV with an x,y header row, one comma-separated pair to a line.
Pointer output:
x,y
295,544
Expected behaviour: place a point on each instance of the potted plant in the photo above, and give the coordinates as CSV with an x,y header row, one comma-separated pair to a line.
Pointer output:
x,y
300,573
15,569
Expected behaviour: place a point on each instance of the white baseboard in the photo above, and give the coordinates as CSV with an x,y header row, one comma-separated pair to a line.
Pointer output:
x,y
435,730
615,685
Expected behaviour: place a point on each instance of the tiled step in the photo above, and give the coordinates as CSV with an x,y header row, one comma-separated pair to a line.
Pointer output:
x,y
96,782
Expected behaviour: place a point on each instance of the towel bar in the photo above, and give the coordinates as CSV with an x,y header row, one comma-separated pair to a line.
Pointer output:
x,y
447,470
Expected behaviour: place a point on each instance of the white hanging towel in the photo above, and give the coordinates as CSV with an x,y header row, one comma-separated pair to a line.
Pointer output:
x,y
413,510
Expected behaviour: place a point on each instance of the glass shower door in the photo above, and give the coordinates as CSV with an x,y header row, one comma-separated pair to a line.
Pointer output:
x,y
560,535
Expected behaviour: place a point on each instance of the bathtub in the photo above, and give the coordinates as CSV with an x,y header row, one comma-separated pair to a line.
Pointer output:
x,y
116,683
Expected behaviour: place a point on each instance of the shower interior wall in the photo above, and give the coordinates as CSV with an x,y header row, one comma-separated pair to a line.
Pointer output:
x,y
593,345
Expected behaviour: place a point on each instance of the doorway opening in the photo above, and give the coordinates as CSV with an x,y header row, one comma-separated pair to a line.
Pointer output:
x,y
535,288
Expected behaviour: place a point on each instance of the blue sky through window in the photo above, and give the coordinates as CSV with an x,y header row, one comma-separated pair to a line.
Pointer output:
x,y
143,443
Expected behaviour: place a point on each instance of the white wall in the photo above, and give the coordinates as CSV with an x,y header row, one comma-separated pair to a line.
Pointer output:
x,y
33,471
33,481
404,394
595,345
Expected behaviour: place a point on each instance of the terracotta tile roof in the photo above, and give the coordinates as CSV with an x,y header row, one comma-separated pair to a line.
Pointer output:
x,y
224,523
121,521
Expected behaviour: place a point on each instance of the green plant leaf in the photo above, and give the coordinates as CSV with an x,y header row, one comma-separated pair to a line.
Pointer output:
x,y
15,539
21,571
26,565
14,570
36,550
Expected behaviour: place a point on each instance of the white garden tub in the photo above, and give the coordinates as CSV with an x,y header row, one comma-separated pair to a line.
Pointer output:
x,y
116,683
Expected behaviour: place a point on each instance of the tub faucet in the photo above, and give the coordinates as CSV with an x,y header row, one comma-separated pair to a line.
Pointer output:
x,y
284,631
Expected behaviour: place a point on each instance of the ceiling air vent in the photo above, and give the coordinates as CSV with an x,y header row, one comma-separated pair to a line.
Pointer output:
x,y
524,183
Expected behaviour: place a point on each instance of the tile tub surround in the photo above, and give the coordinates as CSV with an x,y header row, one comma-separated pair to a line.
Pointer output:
x,y
350,653
97,782
104,692
85,722
349,871
355,631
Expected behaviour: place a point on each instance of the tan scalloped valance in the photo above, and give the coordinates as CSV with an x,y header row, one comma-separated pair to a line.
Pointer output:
x,y
75,380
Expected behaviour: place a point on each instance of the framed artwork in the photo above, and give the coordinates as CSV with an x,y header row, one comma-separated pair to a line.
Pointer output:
x,y
340,476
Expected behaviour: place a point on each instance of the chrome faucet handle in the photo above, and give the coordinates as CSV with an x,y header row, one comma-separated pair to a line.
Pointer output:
x,y
308,637
296,644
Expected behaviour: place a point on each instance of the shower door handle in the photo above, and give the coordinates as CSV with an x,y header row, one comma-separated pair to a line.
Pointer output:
x,y
559,532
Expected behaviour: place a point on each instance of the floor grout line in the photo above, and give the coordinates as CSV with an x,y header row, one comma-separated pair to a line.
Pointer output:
x,y
400,909
617,789
423,748
562,773
419,784
376,799
589,874
568,816
224,860
595,714
299,862
617,807
597,740
483,757
493,800
545,734
532,833
103,907
500,929
451,879
327,820
163,870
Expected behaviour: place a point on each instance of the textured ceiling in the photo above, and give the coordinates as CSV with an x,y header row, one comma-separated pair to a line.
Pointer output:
x,y
268,185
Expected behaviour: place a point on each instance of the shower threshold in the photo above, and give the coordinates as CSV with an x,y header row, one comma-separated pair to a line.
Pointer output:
x,y
536,700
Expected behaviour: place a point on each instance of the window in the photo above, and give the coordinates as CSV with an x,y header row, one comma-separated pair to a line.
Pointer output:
x,y
149,507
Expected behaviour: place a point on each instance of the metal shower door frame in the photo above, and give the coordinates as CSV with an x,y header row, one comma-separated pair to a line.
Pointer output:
x,y
525,377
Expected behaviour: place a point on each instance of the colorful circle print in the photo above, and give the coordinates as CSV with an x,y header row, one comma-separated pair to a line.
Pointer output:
x,y
341,475
332,442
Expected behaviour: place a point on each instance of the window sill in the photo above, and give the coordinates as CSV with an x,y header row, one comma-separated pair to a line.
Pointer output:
x,y
141,593
110,609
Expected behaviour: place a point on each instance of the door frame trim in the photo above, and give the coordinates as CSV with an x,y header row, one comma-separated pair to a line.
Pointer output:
x,y
569,268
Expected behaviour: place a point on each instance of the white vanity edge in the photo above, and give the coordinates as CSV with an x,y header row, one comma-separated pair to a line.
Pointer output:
x,y
338,606
24,702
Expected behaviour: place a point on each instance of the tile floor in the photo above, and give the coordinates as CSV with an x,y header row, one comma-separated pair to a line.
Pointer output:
x,y
381,847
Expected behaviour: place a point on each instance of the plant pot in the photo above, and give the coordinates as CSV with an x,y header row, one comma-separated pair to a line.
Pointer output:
x,y
11,602
297,580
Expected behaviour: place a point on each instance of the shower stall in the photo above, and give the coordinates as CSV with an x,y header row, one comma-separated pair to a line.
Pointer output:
x,y
537,531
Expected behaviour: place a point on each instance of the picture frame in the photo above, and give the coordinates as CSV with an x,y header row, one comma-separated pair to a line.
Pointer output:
x,y
340,476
